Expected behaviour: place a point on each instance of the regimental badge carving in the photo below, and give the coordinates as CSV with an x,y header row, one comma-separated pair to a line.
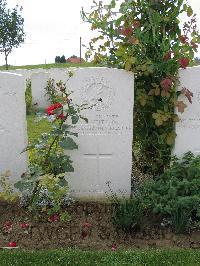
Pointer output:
x,y
98,92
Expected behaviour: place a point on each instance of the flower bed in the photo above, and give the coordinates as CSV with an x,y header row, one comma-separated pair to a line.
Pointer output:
x,y
90,228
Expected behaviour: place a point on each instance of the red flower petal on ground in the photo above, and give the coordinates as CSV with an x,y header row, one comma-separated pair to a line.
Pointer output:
x,y
54,218
84,234
24,225
184,62
166,84
114,247
86,225
12,244
8,224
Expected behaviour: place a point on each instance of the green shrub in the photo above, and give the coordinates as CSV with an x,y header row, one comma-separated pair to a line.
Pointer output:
x,y
128,214
175,194
28,97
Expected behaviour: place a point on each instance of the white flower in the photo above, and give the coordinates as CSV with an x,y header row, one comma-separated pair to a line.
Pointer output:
x,y
51,118
39,146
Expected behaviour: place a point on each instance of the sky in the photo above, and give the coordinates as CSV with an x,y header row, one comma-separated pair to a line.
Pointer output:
x,y
54,28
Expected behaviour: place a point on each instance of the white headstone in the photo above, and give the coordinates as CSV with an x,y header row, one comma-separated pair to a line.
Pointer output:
x,y
38,83
188,129
105,143
13,131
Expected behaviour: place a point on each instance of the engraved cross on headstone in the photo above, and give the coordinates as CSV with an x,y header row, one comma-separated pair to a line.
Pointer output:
x,y
98,156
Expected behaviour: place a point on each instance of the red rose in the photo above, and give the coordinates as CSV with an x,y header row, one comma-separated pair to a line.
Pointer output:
x,y
183,39
184,62
167,56
166,84
50,109
126,31
12,244
57,105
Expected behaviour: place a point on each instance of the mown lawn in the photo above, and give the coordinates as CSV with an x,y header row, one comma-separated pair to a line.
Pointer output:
x,y
74,257
48,66
36,129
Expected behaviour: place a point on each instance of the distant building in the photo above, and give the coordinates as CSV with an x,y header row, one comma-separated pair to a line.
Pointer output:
x,y
75,60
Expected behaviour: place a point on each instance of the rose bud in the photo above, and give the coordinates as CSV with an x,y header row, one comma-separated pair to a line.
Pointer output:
x,y
183,39
166,84
184,62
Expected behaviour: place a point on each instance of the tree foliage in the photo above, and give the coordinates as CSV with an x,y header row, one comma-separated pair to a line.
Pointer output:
x,y
60,59
145,36
11,29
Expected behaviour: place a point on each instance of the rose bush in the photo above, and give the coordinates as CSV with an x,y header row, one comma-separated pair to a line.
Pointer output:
x,y
44,186
146,37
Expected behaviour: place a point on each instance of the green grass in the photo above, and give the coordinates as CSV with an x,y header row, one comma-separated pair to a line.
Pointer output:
x,y
81,258
48,66
36,129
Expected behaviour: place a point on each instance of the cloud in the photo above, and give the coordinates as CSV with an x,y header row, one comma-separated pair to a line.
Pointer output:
x,y
54,28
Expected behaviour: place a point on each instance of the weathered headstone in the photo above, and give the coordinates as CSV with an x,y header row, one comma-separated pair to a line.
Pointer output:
x,y
13,132
105,143
38,83
188,129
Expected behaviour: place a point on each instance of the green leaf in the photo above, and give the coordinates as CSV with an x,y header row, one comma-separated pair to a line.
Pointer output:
x,y
63,183
68,168
71,133
65,126
68,144
189,11
84,118
128,66
65,216
75,119
22,186
71,110
57,131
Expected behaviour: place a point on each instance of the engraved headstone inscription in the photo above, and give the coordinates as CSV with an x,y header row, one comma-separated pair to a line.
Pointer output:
x,y
104,156
188,129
